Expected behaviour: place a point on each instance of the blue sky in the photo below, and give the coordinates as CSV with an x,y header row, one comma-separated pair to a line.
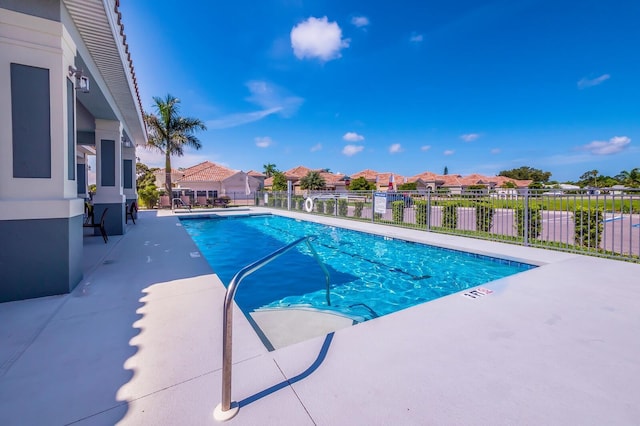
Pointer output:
x,y
402,86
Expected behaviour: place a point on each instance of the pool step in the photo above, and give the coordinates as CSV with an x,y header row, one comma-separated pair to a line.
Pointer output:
x,y
286,326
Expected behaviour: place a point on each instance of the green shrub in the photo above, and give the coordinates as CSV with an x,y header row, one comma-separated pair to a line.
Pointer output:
x,y
359,205
330,206
377,216
450,215
484,216
272,201
343,207
397,211
588,227
319,206
422,216
299,203
535,221
278,202
148,196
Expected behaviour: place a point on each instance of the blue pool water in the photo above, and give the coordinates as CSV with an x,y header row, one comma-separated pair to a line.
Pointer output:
x,y
370,275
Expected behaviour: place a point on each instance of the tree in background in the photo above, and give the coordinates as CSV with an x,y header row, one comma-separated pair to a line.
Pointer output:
x,y
446,171
526,173
279,181
269,169
590,178
146,185
409,186
630,178
508,184
313,181
361,184
170,133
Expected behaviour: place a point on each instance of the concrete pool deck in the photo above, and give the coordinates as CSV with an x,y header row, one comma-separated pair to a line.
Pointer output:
x,y
139,342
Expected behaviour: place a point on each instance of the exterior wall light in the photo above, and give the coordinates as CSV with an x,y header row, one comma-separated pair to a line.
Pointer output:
x,y
126,142
82,81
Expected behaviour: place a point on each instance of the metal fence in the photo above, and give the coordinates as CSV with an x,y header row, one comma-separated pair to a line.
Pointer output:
x,y
603,222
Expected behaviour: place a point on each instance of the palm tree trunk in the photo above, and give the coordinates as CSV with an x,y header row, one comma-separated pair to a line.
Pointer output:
x,y
167,178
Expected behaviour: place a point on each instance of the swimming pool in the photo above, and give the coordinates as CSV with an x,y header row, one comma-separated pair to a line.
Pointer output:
x,y
370,275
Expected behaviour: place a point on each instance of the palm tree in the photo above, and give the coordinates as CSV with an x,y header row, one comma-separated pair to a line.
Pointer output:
x,y
591,174
169,133
269,169
630,178
313,180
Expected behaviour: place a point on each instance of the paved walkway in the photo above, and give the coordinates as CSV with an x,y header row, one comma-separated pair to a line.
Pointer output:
x,y
139,342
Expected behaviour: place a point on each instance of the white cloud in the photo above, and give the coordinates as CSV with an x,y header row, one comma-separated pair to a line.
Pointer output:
x,y
263,142
496,151
469,137
350,150
271,98
316,147
233,120
395,148
360,21
318,38
352,137
449,152
416,38
612,146
586,82
425,147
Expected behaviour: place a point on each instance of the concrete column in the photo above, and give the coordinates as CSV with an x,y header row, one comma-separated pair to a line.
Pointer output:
x,y
129,176
109,185
82,175
40,213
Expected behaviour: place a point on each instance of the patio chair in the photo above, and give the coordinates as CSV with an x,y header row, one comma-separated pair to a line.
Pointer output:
x,y
165,202
133,208
89,223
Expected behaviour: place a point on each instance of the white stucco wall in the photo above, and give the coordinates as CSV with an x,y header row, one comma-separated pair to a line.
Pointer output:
x,y
42,43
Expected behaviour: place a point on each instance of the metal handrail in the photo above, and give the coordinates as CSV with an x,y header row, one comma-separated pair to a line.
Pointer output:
x,y
224,410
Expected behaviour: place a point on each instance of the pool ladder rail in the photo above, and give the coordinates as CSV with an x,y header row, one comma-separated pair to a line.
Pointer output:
x,y
227,409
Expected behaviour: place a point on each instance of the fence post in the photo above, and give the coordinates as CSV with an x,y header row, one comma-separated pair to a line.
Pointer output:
x,y
289,195
525,218
428,213
373,205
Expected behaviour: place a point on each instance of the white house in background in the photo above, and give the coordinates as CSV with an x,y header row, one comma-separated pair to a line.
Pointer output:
x,y
206,181
568,187
67,91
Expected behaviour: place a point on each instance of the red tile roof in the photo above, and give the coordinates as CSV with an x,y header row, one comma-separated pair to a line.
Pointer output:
x,y
208,171
297,172
425,177
368,174
203,172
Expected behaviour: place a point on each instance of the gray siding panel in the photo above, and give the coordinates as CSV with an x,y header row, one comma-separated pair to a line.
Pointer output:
x,y
47,9
108,162
86,138
45,257
82,182
113,220
31,122
127,171
71,145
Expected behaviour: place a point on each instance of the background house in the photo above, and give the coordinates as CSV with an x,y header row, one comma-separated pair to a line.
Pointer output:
x,y
333,181
207,181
